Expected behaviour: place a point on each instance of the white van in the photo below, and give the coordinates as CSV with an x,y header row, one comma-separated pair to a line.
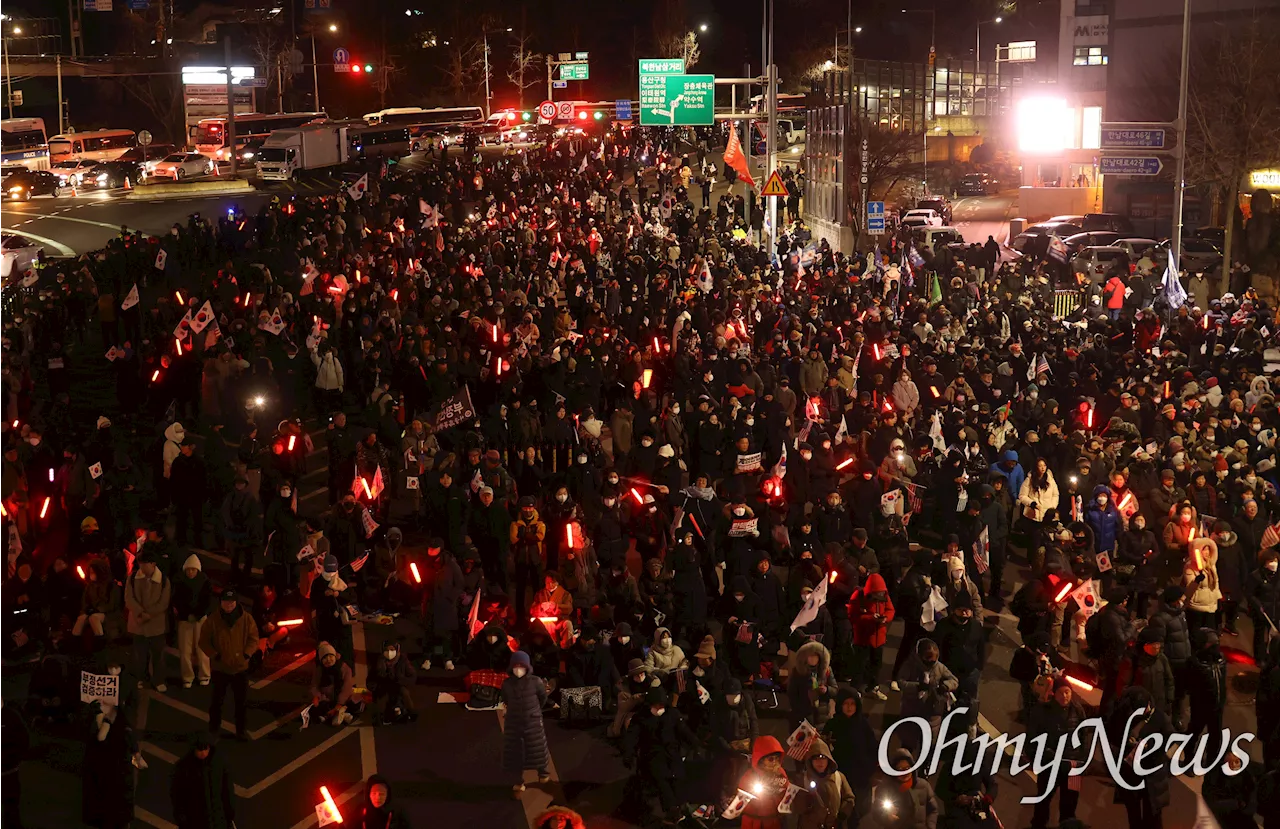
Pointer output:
x,y
935,237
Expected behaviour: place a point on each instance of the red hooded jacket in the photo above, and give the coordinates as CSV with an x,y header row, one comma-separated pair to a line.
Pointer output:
x,y
869,632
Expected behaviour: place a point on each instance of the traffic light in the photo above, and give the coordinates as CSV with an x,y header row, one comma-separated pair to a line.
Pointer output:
x,y
366,68
526,116
599,115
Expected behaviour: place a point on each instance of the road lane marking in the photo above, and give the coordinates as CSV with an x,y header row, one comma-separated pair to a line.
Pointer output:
x,y
155,820
296,763
61,248
108,225
305,659
203,716
342,799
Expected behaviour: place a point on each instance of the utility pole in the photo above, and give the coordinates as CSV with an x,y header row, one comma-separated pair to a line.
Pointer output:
x,y
61,118
315,73
8,73
771,133
231,109
486,73
1180,178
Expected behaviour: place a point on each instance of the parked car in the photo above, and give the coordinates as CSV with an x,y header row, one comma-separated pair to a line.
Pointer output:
x,y
1136,246
1090,239
71,171
148,154
1075,219
922,217
1100,262
1108,221
249,150
938,204
181,165
21,185
1051,228
1197,256
111,174
1213,235
17,254
975,184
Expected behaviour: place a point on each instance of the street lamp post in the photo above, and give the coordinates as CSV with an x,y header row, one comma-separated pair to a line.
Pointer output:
x,y
977,43
486,71
315,67
8,77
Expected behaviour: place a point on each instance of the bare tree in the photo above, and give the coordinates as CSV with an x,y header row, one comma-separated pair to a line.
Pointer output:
x,y
683,46
463,67
389,69
1234,114
267,44
162,97
525,65
891,157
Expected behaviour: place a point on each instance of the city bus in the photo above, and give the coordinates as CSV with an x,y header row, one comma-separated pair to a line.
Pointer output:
x,y
93,145
427,124
23,143
373,141
209,135
417,117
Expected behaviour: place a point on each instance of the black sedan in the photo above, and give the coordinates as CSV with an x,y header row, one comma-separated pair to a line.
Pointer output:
x,y
21,185
112,174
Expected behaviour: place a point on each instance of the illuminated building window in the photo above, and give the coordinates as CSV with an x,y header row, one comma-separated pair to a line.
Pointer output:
x,y
1090,56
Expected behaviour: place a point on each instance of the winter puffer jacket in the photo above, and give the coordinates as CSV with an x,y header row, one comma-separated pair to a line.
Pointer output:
x,y
868,603
173,436
1172,624
1105,522
1203,595
662,660
328,371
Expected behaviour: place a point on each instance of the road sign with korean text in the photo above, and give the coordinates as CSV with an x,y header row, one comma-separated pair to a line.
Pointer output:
x,y
677,100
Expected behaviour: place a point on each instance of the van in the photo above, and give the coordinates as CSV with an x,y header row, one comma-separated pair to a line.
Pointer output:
x,y
934,238
1108,221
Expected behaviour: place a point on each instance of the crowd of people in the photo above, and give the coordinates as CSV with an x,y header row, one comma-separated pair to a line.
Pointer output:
x,y
621,460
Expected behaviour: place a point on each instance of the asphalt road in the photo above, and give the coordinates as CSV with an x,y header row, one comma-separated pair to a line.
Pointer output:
x,y
444,768
978,217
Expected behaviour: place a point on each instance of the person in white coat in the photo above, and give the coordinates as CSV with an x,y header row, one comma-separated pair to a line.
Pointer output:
x,y
329,378
1039,493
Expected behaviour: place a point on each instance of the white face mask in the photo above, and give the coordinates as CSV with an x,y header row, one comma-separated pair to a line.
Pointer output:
x,y
582,459
646,443
657,712
493,640
519,672
562,497
1271,565
114,670
1102,500
608,502
624,639
735,699
807,455
675,410
751,421
740,511
390,653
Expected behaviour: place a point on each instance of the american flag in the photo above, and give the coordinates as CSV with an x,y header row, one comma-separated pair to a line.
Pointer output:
x,y
801,740
982,552
1270,536
914,502
682,681
1042,365
359,563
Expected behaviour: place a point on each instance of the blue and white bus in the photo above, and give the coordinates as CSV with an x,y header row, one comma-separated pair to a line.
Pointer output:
x,y
23,143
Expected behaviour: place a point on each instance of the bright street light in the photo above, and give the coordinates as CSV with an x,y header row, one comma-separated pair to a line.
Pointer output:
x,y
17,30
857,30
703,27
999,20
333,27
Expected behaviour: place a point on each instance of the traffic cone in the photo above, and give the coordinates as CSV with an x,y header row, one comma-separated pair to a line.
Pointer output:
x,y
127,184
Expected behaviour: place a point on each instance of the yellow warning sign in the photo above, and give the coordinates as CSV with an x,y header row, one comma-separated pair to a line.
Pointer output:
x,y
774,186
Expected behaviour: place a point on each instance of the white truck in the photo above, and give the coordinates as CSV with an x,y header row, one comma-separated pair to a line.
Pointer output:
x,y
288,152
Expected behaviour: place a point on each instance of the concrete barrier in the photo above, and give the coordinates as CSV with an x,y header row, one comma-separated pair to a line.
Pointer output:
x,y
189,188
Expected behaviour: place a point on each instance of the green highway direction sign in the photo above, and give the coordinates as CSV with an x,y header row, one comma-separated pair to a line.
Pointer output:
x,y
677,100
662,66
574,71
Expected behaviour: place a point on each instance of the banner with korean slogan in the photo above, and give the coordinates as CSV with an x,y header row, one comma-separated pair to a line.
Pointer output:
x,y
749,463
99,688
457,409
744,526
